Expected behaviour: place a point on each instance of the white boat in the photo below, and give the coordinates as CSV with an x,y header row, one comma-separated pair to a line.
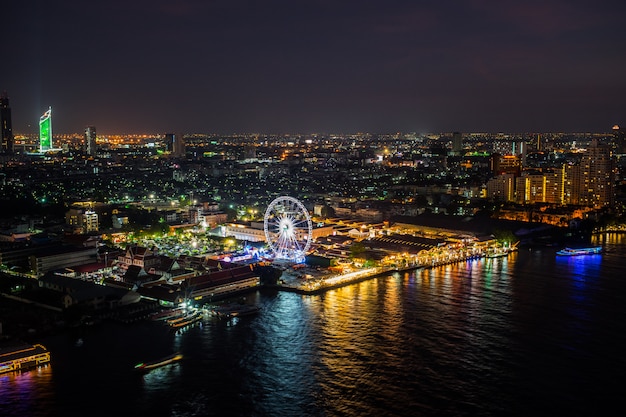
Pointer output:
x,y
187,320
236,310
148,366
497,254
594,250
168,314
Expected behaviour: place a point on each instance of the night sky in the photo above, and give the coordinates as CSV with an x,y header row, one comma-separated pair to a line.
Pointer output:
x,y
318,66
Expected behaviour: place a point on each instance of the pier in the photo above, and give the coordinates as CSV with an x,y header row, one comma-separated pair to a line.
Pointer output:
x,y
19,356
319,281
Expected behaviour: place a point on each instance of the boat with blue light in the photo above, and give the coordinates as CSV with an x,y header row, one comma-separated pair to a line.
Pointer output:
x,y
594,250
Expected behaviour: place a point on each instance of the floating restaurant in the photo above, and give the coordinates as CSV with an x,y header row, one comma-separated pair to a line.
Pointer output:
x,y
21,356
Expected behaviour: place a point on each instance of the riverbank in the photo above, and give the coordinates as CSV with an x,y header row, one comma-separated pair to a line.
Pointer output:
x,y
315,283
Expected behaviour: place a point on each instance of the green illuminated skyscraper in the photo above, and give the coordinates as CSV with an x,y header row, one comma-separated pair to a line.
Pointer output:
x,y
45,131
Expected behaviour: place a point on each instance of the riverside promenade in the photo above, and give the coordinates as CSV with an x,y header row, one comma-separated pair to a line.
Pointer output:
x,y
315,282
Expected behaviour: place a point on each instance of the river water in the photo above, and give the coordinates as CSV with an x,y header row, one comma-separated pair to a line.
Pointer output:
x,y
529,335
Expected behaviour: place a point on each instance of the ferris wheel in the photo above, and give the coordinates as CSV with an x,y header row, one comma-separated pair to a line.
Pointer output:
x,y
288,229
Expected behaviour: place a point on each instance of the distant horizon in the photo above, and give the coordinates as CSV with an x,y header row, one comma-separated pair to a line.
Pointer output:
x,y
78,133
34,126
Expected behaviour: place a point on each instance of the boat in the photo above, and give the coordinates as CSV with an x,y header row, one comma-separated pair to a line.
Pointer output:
x,y
594,250
179,319
497,254
20,356
148,366
500,252
236,310
168,314
187,320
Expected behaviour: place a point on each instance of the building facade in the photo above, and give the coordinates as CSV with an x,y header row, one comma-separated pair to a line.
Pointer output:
x,y
90,140
589,183
597,177
6,129
82,220
45,131
175,145
501,187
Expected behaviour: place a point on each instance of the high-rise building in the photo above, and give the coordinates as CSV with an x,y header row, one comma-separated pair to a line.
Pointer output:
x,y
501,187
538,143
619,136
597,176
571,186
90,140
554,186
500,164
45,131
174,145
457,143
179,146
530,188
83,220
6,131
170,138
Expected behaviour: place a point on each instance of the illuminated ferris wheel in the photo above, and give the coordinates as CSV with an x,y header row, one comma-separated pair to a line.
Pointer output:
x,y
288,229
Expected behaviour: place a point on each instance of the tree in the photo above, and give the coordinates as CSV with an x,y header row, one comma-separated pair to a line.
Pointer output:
x,y
502,236
357,250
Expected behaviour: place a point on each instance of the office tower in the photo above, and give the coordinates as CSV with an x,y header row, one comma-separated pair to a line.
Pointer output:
x,y
174,145
45,131
90,140
6,131
457,143
538,143
501,187
619,136
170,138
505,164
554,186
571,186
530,188
179,146
597,176
519,148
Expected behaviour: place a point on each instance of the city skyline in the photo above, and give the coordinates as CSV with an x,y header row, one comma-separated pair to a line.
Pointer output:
x,y
323,67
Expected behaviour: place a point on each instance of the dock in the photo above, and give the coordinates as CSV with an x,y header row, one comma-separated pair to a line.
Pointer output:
x,y
20,356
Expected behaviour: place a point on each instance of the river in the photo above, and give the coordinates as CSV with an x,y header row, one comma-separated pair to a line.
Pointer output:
x,y
530,334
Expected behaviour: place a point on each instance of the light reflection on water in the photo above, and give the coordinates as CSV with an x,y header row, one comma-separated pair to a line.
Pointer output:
x,y
21,392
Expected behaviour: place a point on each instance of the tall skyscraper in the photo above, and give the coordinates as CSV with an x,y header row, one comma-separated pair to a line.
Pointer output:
x,y
538,143
179,146
6,130
175,145
597,176
170,138
90,140
457,143
619,137
45,131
